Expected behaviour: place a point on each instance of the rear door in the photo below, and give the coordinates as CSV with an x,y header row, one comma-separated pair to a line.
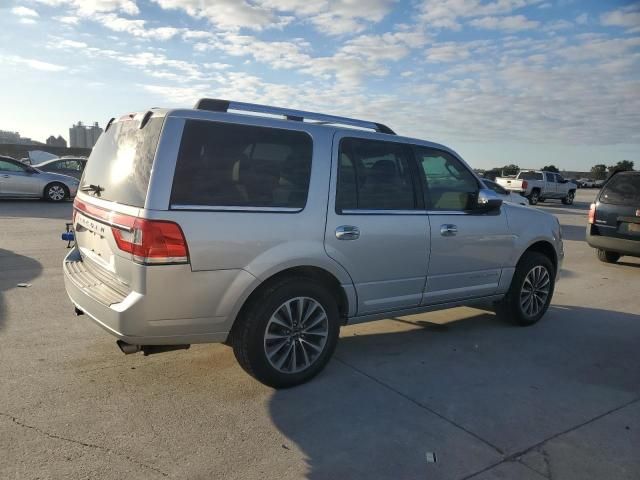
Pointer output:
x,y
550,188
377,228
618,207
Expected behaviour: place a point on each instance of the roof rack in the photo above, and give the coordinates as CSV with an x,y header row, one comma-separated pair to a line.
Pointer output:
x,y
217,105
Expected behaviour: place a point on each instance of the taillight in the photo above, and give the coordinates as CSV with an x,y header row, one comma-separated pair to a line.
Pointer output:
x,y
592,214
524,184
153,241
148,241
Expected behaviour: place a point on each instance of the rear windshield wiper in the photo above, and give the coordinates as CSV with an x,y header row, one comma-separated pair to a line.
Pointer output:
x,y
92,188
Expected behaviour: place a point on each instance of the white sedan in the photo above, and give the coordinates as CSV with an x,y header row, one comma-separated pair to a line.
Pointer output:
x,y
506,195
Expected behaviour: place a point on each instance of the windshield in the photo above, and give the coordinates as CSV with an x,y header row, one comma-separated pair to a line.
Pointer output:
x,y
120,164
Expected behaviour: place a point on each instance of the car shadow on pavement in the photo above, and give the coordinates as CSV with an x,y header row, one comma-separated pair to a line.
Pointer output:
x,y
15,269
466,391
36,209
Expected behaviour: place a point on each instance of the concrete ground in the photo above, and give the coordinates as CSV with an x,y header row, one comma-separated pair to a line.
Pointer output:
x,y
559,400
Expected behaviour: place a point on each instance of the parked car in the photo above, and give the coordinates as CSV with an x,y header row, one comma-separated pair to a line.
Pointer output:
x,y
539,186
586,183
598,183
20,180
270,232
71,166
614,218
506,195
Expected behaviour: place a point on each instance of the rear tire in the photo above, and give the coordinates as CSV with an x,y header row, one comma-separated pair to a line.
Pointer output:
x,y
56,192
568,200
534,197
287,333
607,256
530,292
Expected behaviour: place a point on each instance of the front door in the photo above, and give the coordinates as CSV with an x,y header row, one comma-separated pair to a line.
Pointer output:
x,y
551,188
16,181
377,228
468,249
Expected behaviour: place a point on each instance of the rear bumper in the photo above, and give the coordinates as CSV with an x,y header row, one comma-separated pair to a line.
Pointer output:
x,y
613,244
177,306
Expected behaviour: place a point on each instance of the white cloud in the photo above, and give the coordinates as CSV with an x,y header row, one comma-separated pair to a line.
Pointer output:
x,y
32,63
27,21
582,19
90,7
628,17
24,12
68,20
511,23
446,13
136,27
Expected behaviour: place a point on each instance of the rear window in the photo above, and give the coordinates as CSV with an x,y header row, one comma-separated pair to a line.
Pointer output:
x,y
227,165
120,163
530,176
622,189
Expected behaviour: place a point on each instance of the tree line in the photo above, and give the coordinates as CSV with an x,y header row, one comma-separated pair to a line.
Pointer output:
x,y
598,172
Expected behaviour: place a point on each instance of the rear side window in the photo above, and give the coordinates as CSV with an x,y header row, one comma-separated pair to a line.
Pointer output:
x,y
374,175
530,176
120,162
622,189
227,165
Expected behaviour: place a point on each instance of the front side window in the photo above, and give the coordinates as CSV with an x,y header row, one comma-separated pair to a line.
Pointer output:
x,y
550,177
228,165
374,175
450,185
10,167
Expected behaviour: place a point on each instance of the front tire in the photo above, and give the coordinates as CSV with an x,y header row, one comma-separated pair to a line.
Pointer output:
x,y
607,256
56,192
287,333
530,292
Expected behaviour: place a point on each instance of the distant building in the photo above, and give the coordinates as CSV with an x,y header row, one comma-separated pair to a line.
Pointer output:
x,y
57,142
83,136
15,139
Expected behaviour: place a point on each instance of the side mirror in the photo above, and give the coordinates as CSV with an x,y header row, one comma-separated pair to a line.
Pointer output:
x,y
488,200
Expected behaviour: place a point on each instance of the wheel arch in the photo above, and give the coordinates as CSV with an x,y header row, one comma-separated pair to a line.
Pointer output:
x,y
312,272
544,247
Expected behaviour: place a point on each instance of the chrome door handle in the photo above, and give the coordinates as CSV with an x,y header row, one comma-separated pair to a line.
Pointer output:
x,y
448,230
347,232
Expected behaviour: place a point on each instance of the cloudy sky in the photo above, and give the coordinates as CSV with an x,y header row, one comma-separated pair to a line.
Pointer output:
x,y
530,82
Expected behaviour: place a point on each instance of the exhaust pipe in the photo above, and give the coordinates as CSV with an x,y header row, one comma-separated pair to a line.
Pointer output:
x,y
128,348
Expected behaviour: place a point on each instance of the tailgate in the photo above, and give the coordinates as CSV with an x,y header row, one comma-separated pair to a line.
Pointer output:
x,y
618,221
94,222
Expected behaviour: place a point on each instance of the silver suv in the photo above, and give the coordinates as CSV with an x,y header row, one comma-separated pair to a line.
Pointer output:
x,y
269,228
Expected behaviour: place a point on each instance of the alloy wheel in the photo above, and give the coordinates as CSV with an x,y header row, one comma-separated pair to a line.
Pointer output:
x,y
56,193
535,291
296,335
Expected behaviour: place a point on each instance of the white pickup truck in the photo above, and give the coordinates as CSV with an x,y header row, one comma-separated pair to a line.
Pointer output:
x,y
539,186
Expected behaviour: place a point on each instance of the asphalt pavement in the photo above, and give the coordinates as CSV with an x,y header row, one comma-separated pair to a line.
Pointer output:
x,y
454,394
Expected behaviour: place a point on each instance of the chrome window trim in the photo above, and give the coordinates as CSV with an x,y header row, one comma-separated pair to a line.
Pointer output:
x,y
219,208
352,211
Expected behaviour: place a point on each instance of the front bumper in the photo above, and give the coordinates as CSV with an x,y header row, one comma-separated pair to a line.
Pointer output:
x,y
177,306
613,244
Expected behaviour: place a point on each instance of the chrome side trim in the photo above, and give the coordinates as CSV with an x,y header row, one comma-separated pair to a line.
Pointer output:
x,y
216,208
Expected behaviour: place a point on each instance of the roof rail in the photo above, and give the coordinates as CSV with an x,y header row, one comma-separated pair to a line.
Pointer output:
x,y
216,105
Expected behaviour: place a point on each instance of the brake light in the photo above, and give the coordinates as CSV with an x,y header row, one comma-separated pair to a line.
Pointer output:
x,y
148,241
524,184
153,241
592,214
